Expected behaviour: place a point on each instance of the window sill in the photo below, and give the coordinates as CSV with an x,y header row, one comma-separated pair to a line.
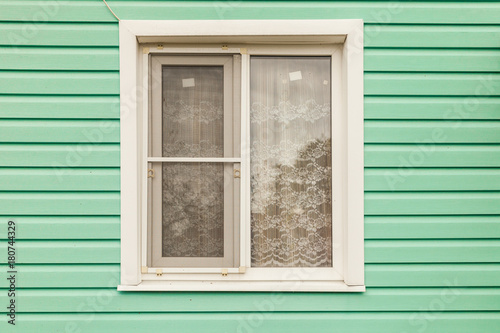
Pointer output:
x,y
244,286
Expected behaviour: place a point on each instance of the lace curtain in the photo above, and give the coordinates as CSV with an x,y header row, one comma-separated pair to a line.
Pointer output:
x,y
291,198
193,193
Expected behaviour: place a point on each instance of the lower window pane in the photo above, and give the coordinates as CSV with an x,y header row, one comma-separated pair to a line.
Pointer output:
x,y
193,210
291,170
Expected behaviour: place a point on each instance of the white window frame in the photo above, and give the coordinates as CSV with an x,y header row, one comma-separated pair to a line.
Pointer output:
x,y
343,41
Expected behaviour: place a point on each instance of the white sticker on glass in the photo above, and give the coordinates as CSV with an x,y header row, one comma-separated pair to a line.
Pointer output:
x,y
188,82
294,76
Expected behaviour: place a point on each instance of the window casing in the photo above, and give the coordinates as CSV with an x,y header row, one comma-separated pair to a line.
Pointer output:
x,y
142,267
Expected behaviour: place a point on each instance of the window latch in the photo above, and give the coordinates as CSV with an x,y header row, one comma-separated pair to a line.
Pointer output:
x,y
237,173
151,173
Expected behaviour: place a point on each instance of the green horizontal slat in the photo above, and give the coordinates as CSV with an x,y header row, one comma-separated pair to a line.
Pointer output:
x,y
59,203
443,108
432,251
432,275
411,36
432,203
432,36
65,252
432,179
409,156
58,34
376,227
372,12
374,299
63,227
52,10
107,83
58,59
376,275
60,156
450,84
410,131
429,227
68,276
66,83
376,251
265,320
49,179
394,60
59,107
55,131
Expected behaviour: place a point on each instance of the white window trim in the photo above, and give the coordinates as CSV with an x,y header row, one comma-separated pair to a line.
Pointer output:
x,y
344,39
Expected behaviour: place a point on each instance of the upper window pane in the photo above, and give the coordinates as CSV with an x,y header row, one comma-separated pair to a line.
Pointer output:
x,y
193,111
291,162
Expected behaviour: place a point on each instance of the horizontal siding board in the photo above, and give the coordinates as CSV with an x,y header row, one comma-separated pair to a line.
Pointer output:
x,y
58,34
65,11
409,156
60,156
64,227
50,179
432,203
66,252
376,251
59,203
268,322
432,84
376,275
67,276
432,251
443,108
374,299
394,36
391,60
375,60
59,59
410,131
53,131
60,107
371,12
376,227
432,36
66,83
107,83
432,275
432,227
432,179
439,60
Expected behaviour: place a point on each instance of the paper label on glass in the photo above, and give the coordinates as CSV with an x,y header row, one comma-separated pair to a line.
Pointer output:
x,y
294,76
186,83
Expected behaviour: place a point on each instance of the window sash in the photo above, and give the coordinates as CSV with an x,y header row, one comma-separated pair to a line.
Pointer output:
x,y
231,159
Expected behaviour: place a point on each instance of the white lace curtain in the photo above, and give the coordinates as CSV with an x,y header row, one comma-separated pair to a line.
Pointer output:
x,y
193,193
291,183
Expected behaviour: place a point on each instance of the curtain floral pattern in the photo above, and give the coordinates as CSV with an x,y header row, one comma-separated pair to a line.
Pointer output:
x,y
291,198
193,193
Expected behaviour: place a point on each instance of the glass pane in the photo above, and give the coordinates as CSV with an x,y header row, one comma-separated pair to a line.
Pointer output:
x,y
193,111
193,210
291,183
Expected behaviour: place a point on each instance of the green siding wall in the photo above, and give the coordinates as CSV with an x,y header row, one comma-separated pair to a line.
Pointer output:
x,y
432,157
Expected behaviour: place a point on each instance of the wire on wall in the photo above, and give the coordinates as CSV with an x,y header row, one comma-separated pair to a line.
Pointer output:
x,y
111,10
